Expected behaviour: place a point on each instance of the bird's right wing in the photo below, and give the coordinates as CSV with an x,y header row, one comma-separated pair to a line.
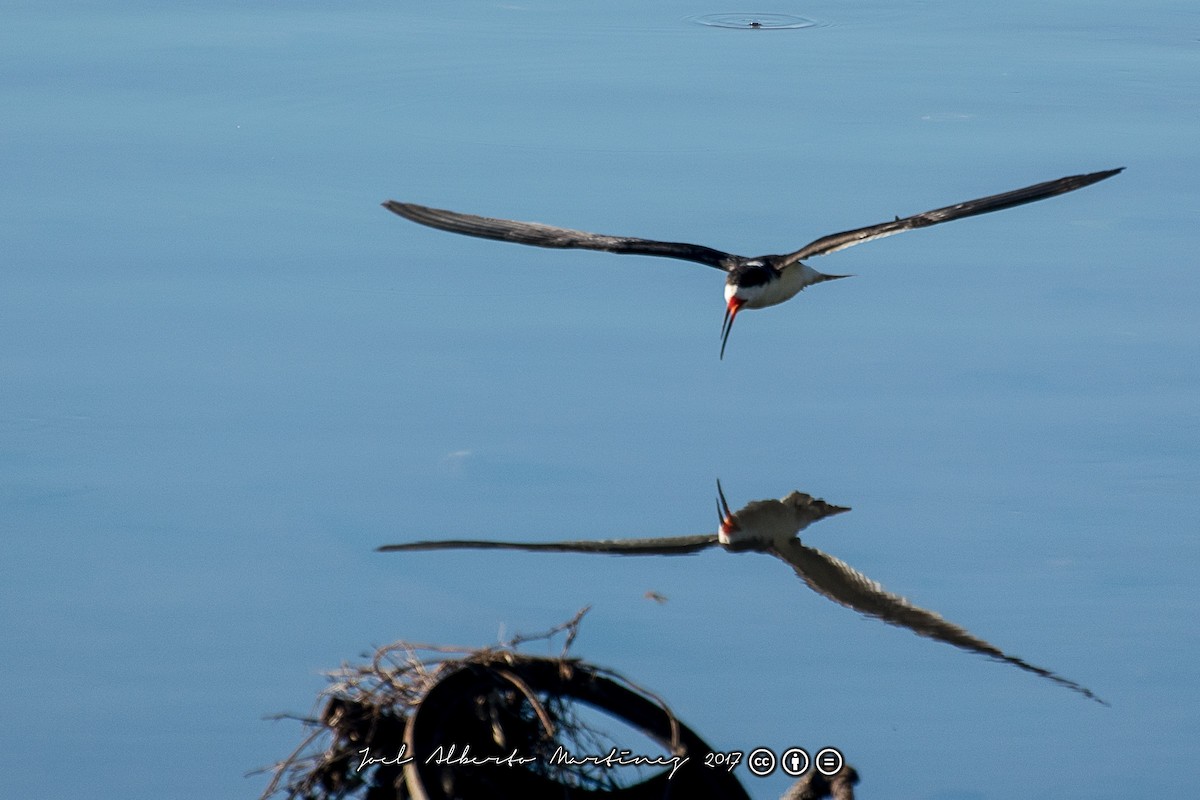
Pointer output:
x,y
661,546
970,208
844,585
539,235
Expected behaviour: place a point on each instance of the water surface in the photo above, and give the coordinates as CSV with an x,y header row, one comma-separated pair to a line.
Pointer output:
x,y
227,375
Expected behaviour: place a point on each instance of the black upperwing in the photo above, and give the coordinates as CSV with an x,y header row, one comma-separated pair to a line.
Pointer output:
x,y
539,235
983,205
665,545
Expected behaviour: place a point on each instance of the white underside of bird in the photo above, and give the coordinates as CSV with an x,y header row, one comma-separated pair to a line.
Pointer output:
x,y
793,279
769,523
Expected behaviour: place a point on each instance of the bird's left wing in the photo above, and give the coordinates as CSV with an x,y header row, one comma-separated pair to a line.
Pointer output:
x,y
983,205
841,583
661,546
539,235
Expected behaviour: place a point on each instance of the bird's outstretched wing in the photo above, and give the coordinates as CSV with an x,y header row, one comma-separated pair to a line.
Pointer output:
x,y
535,233
984,205
824,574
665,545
841,583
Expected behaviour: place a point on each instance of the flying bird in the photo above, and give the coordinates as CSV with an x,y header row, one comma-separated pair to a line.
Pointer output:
x,y
770,526
751,281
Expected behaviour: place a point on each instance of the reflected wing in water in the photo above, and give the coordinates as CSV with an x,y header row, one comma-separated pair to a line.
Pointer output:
x,y
660,546
841,583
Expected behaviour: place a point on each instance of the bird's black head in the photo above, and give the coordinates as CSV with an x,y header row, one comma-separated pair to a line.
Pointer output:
x,y
744,282
751,274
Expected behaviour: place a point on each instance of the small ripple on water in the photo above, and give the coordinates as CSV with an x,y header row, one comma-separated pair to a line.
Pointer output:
x,y
749,21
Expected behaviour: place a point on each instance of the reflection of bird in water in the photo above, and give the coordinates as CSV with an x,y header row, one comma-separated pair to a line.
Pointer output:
x,y
770,526
751,282
769,523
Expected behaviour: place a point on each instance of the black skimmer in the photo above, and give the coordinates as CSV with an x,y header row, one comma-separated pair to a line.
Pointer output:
x,y
751,282
770,526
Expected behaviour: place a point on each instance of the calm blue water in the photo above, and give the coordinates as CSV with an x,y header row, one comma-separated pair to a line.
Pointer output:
x,y
226,374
